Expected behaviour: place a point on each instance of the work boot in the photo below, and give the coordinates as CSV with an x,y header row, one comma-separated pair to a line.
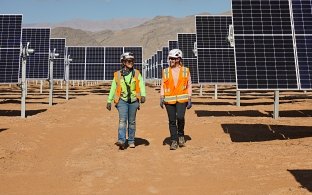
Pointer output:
x,y
174,145
181,141
132,145
121,145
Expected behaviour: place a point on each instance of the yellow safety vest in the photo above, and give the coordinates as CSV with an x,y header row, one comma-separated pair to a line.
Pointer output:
x,y
118,78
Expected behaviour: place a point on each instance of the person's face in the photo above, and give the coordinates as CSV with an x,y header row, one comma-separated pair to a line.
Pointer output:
x,y
128,63
174,61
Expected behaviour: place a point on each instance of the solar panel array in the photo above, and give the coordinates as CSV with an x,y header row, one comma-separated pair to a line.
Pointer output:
x,y
37,66
186,45
10,39
215,56
264,49
59,62
302,16
99,63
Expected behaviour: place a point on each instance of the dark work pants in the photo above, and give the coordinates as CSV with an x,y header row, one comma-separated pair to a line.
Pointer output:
x,y
176,113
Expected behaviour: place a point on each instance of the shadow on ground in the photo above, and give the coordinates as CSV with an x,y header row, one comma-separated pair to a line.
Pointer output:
x,y
304,177
18,112
3,129
140,141
293,113
263,132
247,113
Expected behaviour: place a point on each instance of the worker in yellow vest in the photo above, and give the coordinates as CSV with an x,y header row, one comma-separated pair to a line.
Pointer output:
x,y
127,91
175,94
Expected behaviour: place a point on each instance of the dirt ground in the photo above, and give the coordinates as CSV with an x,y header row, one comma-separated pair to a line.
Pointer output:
x,y
68,148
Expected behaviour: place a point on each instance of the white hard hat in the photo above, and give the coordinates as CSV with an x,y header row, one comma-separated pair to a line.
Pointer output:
x,y
175,53
126,55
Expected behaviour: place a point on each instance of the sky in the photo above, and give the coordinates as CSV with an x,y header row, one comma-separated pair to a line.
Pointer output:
x,y
55,11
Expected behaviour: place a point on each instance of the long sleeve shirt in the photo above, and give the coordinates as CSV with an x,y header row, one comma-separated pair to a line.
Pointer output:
x,y
124,96
175,76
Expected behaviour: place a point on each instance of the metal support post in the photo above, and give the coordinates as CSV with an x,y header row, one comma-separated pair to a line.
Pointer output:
x,y
201,90
23,87
216,92
67,62
25,52
52,57
41,86
276,105
237,98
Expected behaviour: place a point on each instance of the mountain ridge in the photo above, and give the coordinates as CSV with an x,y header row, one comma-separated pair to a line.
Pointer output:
x,y
152,34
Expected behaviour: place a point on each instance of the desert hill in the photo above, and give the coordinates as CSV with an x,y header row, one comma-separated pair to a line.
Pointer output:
x,y
152,35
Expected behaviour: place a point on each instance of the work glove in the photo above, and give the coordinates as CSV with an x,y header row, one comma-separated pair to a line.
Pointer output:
x,y
142,99
109,106
161,102
189,104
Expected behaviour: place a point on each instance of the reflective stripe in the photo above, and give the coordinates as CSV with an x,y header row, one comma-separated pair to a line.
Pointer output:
x,y
170,98
182,97
166,73
184,72
176,98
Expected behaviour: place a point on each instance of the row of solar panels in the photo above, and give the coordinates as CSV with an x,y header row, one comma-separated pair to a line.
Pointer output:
x,y
206,52
272,46
89,63
99,63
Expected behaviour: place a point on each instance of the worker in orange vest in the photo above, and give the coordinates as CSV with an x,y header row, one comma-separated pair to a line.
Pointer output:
x,y
127,91
175,94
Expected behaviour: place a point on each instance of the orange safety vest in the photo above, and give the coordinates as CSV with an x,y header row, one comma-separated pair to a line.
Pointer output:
x,y
118,78
180,92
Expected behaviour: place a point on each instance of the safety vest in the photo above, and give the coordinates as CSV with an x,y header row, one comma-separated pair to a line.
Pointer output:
x,y
118,78
180,92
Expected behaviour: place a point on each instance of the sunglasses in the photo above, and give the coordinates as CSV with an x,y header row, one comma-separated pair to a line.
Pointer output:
x,y
173,59
129,61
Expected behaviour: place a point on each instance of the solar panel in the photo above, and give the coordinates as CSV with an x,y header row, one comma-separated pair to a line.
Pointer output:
x,y
112,61
77,71
302,16
10,39
37,66
173,44
149,67
216,62
155,68
152,66
138,55
159,64
59,62
77,67
264,51
186,45
165,52
95,63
